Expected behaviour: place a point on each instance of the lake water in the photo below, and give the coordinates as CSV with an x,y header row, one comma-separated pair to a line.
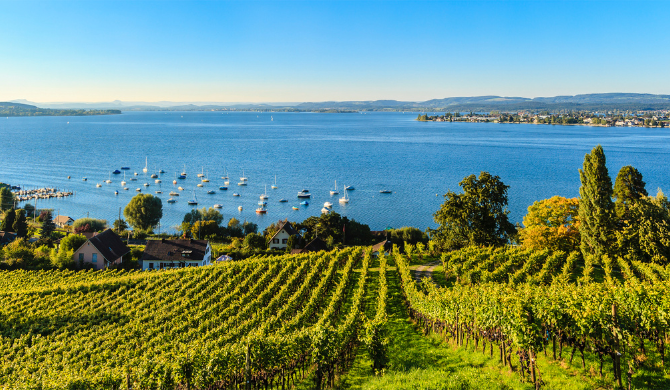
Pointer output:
x,y
373,151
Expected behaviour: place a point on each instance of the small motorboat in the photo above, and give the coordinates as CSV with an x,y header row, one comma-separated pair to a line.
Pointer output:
x,y
84,179
328,205
125,168
157,181
295,208
181,177
218,206
211,192
136,173
146,184
242,183
239,208
116,192
385,192
116,172
108,181
261,210
161,171
159,192
125,188
226,182
236,194
133,179
199,185
173,193
223,188
171,200
304,203
325,210
153,175
138,189
304,194
283,200
98,185
349,188
180,188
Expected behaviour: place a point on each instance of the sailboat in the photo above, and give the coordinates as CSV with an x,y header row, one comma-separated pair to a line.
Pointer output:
x,y
205,179
175,178
123,183
183,173
108,181
334,192
265,194
345,198
274,187
146,163
225,174
193,201
243,178
203,173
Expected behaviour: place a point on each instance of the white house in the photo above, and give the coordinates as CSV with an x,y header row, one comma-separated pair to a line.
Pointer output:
x,y
162,254
280,239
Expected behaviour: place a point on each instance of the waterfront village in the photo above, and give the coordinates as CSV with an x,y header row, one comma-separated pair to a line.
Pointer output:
x,y
617,118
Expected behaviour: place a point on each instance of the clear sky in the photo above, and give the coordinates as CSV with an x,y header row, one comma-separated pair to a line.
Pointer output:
x,y
225,51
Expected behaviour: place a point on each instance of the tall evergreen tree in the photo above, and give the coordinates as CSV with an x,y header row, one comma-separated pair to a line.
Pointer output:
x,y
7,224
48,226
628,188
6,199
596,210
20,225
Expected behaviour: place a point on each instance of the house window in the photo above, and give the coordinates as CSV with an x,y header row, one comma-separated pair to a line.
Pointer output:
x,y
194,264
151,265
81,257
284,240
94,258
275,241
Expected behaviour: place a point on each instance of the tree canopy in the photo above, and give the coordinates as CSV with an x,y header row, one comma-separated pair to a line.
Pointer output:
x,y
478,216
48,226
20,224
6,199
72,242
628,188
552,224
7,224
595,206
144,212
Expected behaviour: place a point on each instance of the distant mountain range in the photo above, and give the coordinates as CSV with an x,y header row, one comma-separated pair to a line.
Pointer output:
x,y
596,101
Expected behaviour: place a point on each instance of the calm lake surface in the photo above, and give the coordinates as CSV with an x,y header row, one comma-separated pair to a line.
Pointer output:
x,y
371,152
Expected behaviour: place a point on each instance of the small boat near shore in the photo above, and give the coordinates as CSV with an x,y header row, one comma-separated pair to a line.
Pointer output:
x,y
385,192
218,206
304,194
171,200
295,208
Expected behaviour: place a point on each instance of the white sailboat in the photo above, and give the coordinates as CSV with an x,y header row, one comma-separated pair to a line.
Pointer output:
x,y
202,174
345,198
265,194
123,183
243,178
193,201
334,192
146,164
274,186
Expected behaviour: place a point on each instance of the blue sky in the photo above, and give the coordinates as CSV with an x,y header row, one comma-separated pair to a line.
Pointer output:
x,y
254,51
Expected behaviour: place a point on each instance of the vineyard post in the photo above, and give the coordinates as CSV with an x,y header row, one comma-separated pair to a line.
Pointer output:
x,y
617,355
247,369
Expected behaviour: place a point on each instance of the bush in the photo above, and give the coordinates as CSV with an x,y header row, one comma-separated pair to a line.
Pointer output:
x,y
94,225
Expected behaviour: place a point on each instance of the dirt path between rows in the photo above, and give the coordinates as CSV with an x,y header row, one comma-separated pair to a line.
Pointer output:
x,y
425,270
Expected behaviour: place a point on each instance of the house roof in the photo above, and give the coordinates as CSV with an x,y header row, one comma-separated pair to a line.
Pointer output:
x,y
62,219
7,237
286,225
173,250
315,245
109,244
385,245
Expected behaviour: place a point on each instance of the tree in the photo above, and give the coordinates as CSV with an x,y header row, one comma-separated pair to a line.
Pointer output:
x,y
249,227
552,224
204,229
144,211
291,243
628,188
478,216
254,241
234,222
7,224
94,225
20,225
72,242
120,226
48,226
6,199
595,206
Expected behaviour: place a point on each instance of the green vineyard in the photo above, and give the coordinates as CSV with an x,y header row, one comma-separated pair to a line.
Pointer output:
x,y
514,303
263,320
305,321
